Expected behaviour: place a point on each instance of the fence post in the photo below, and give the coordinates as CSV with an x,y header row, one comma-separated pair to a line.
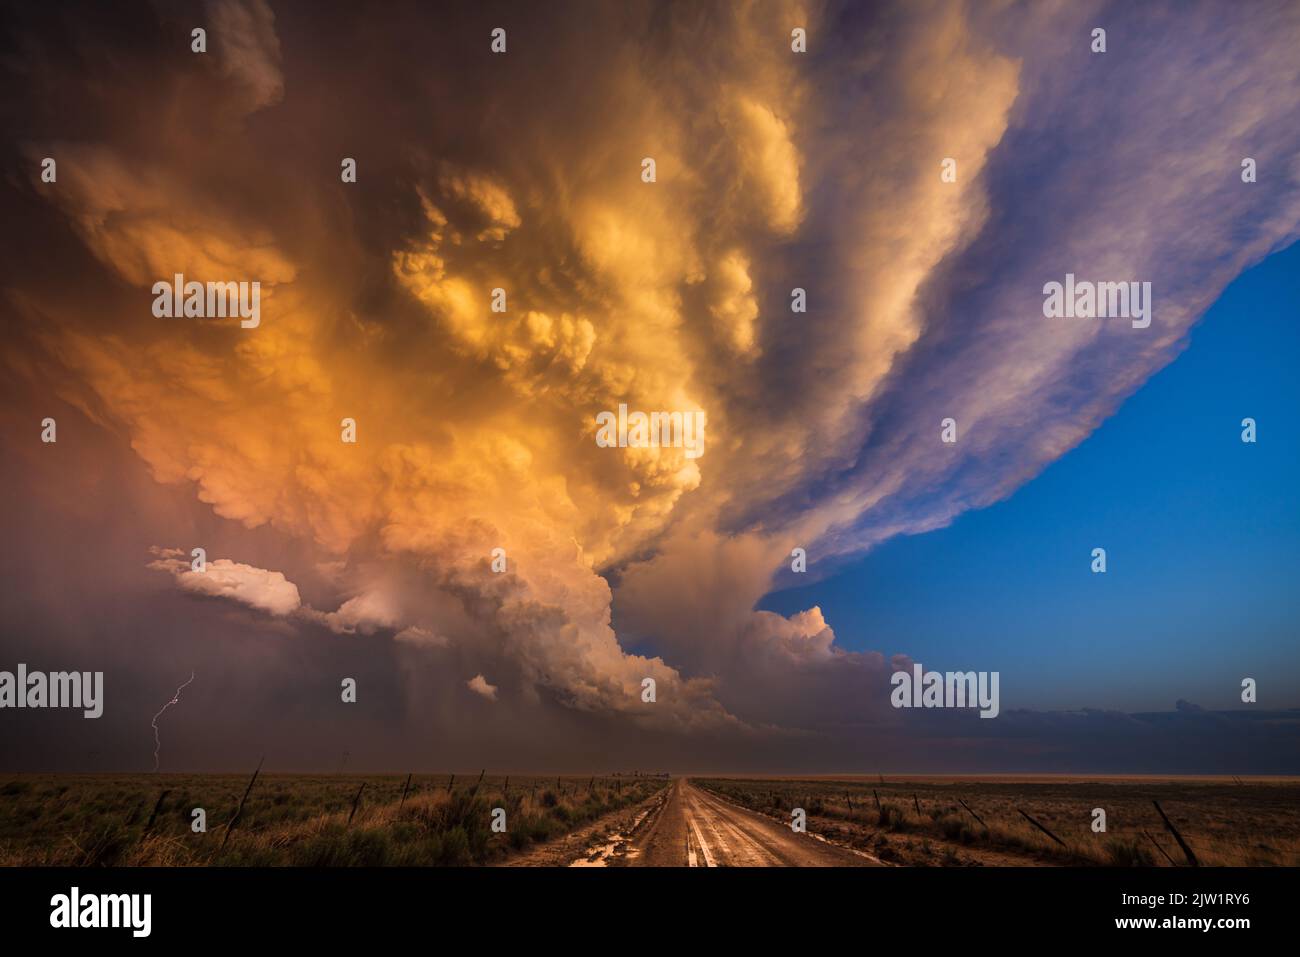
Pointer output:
x,y
972,813
1160,849
354,803
156,808
1191,858
1041,828
239,811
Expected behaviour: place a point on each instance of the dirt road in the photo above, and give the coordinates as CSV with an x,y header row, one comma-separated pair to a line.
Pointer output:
x,y
694,828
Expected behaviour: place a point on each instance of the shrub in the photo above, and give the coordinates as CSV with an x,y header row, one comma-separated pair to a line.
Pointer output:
x,y
455,848
951,827
890,816
106,845
368,848
1127,853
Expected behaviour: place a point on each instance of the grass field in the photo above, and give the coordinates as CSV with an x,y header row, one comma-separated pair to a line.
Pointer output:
x,y
293,820
308,820
924,822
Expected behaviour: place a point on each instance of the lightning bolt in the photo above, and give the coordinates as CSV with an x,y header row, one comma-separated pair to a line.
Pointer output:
x,y
157,742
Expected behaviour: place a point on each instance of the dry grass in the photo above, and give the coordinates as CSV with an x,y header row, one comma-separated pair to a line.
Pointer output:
x,y
1226,823
93,820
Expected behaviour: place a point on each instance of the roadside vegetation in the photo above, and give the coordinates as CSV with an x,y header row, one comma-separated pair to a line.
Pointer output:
x,y
956,822
310,821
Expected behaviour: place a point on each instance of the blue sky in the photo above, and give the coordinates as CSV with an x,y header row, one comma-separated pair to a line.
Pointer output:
x,y
1202,535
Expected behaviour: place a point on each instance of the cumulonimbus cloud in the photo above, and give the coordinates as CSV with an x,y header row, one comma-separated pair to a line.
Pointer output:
x,y
476,428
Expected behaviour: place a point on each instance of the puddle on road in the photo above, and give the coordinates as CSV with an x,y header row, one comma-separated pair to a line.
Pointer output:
x,y
601,855
612,846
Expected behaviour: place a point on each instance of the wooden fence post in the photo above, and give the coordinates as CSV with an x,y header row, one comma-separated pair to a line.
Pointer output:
x,y
1041,828
354,803
972,813
239,811
1191,858
154,816
1160,849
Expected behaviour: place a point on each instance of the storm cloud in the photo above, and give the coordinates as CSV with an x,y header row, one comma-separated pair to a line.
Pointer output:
x,y
476,429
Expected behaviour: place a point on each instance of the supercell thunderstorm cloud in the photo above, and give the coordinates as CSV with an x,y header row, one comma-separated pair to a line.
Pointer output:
x,y
497,274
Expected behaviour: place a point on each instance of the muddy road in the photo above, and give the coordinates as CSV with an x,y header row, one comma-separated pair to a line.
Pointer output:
x,y
696,828
687,826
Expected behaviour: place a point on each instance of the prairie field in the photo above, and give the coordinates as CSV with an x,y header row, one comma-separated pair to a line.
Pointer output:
x,y
295,820
936,821
444,820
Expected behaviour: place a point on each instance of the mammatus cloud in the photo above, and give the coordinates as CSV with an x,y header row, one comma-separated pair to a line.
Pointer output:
x,y
247,48
774,171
